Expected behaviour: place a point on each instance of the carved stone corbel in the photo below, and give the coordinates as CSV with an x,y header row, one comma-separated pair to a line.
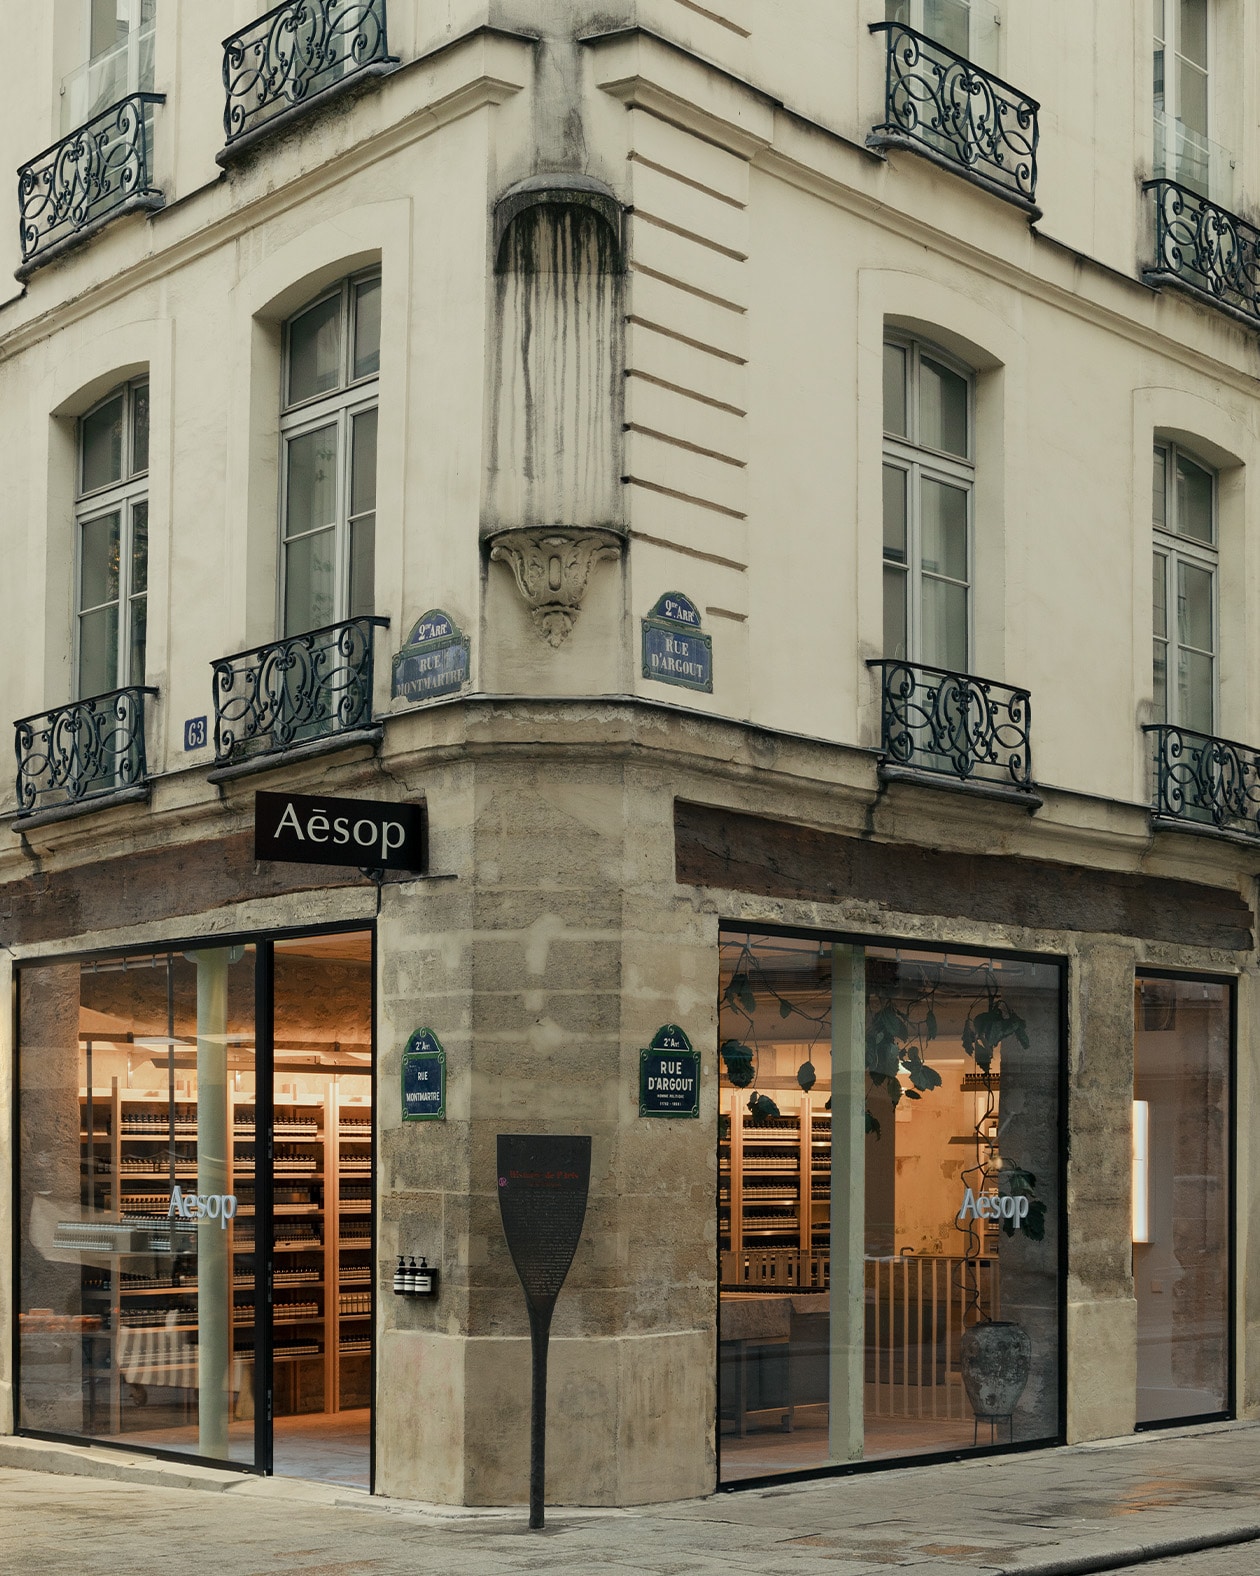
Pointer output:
x,y
552,565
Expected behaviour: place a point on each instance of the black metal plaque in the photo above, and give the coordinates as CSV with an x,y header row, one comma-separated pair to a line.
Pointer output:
x,y
543,1183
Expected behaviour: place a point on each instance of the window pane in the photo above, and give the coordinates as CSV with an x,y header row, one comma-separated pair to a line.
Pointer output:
x,y
1159,596
895,514
1160,681
98,561
363,566
896,583
315,350
944,529
1159,489
363,468
98,651
139,547
105,28
309,582
1192,96
1194,26
1194,686
942,408
312,495
101,440
946,22
895,390
140,429
1158,8
1194,500
367,328
1194,606
139,622
897,11
944,624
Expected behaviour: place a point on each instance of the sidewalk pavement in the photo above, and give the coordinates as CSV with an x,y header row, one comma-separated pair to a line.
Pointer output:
x,y
1046,1513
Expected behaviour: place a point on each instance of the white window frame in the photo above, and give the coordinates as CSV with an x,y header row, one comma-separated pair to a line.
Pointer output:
x,y
121,498
920,463
338,408
1193,158
1175,549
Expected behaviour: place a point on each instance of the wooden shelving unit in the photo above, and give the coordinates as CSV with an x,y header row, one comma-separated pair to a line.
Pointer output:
x,y
322,1239
774,1210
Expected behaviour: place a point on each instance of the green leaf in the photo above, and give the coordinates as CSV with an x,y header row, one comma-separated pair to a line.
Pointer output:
x,y
924,1077
872,1126
1035,1222
1021,1034
929,1024
894,1091
912,1094
786,1008
745,993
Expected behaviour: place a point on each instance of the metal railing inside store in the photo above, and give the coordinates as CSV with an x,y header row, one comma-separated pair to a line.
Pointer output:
x,y
100,170
294,691
957,113
1200,778
81,751
296,52
955,724
1203,246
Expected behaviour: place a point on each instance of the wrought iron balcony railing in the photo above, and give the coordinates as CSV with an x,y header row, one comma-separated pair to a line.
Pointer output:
x,y
292,55
100,170
958,114
294,691
1203,246
1198,778
933,720
81,751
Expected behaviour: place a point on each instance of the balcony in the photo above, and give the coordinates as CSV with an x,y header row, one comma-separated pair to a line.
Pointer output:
x,y
298,693
948,109
1205,249
297,56
88,751
96,173
1205,781
954,725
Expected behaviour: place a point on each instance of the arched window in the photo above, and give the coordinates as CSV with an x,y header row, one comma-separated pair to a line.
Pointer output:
x,y
1184,590
332,353
929,478
112,541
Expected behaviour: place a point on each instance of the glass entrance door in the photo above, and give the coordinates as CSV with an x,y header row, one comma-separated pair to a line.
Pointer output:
x,y
321,1208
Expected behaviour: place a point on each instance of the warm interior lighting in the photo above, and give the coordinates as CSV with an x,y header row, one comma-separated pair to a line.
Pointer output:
x,y
1141,1171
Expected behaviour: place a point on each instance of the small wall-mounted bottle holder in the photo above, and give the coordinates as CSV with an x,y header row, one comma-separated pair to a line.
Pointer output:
x,y
415,1280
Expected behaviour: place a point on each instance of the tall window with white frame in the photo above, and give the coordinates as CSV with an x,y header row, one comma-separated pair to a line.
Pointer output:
x,y
1184,591
929,479
117,58
1183,151
328,434
112,531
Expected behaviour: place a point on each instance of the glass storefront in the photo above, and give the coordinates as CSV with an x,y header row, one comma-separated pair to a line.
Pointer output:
x,y
1181,1198
890,1203
175,1291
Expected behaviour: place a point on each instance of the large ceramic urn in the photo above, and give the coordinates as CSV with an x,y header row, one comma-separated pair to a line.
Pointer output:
x,y
996,1361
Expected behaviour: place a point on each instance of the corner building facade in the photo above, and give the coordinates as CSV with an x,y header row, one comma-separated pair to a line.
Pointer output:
x,y
482,407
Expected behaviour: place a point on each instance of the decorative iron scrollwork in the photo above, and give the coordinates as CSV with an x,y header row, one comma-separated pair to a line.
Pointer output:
x,y
81,751
296,51
959,111
936,721
102,168
295,690
1205,246
1201,778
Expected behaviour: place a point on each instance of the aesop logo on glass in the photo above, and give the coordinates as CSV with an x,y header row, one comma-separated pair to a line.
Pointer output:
x,y
317,829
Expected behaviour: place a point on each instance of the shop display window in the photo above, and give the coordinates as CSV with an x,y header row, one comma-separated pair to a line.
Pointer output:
x,y
890,1203
176,1292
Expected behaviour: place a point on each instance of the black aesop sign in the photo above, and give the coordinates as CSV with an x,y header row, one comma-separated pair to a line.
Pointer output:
x,y
543,1183
317,829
